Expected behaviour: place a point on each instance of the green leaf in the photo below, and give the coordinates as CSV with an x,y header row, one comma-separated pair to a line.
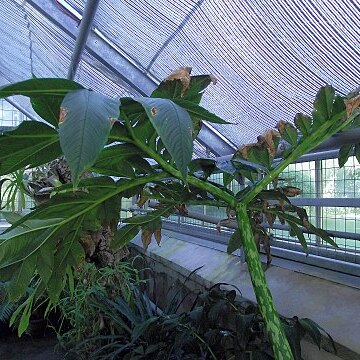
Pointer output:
x,y
207,166
290,134
85,127
69,253
300,235
312,330
344,153
303,123
45,260
323,106
234,242
119,132
323,234
357,152
21,278
293,336
260,155
124,235
243,323
174,126
227,179
272,195
31,144
172,89
121,160
153,215
198,112
45,95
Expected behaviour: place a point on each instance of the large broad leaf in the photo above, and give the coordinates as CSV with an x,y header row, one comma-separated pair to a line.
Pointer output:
x,y
172,89
174,126
121,160
124,235
31,144
198,112
45,95
87,118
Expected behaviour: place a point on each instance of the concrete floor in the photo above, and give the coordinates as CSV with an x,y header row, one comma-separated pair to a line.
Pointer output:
x,y
13,348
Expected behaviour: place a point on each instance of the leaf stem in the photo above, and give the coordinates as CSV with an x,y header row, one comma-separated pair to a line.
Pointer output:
x,y
306,145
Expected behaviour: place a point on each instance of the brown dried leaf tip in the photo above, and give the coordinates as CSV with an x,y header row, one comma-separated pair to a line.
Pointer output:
x,y
146,238
62,115
182,74
243,151
213,79
157,235
282,125
112,121
352,104
290,191
270,140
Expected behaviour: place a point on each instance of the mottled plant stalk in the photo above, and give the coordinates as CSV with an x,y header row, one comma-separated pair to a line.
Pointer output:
x,y
274,328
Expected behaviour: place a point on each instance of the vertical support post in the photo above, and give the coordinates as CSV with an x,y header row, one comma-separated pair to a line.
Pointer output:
x,y
318,193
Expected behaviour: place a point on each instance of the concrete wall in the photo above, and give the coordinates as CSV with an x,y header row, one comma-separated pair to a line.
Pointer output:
x,y
333,306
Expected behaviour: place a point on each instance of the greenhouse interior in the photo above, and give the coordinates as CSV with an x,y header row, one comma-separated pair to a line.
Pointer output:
x,y
180,179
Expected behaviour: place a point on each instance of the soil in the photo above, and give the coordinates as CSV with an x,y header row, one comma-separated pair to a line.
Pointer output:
x,y
28,348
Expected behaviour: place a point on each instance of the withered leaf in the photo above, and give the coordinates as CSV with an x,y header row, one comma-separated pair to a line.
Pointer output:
x,y
157,235
213,79
142,199
62,116
267,249
352,104
270,217
290,191
89,245
281,219
243,151
182,210
146,238
182,74
270,140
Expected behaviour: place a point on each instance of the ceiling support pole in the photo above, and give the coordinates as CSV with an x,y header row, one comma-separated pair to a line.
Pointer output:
x,y
84,30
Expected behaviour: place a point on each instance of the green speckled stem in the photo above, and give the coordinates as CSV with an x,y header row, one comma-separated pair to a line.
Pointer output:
x,y
273,325
274,328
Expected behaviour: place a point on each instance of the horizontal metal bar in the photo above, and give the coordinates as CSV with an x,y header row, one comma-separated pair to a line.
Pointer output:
x,y
326,202
233,225
329,149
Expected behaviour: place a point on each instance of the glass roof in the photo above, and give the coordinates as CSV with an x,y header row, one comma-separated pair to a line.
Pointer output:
x,y
270,56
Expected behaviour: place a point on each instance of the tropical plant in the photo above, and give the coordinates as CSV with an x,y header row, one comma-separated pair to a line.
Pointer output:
x,y
219,325
13,191
79,319
114,139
